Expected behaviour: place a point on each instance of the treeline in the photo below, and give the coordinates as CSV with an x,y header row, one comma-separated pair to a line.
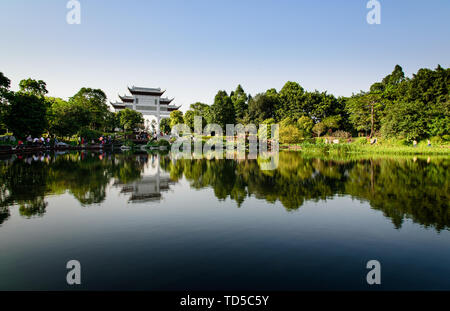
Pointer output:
x,y
30,111
409,108
384,183
398,106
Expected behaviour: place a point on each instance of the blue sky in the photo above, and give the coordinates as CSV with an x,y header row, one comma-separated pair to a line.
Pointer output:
x,y
195,48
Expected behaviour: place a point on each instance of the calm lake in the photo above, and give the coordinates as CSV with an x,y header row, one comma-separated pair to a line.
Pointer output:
x,y
146,221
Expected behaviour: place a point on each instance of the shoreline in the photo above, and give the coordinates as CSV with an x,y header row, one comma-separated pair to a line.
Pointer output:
x,y
368,149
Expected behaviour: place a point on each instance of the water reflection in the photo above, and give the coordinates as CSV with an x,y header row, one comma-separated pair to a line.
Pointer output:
x,y
401,188
150,184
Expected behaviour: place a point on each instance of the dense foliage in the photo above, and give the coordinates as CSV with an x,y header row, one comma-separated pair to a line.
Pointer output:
x,y
407,108
398,106
30,112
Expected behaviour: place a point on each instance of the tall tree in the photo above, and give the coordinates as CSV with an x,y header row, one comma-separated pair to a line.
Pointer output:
x,y
239,99
130,119
65,119
5,83
35,87
263,106
420,106
222,111
176,117
164,125
95,101
4,95
196,109
291,101
365,110
26,114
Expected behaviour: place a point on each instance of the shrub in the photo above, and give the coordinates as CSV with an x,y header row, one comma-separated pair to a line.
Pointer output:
x,y
290,135
361,141
436,140
319,128
342,134
306,124
89,135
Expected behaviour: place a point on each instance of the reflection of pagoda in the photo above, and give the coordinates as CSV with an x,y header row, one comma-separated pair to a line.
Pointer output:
x,y
151,184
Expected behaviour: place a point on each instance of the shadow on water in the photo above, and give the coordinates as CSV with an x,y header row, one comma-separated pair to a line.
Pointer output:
x,y
400,187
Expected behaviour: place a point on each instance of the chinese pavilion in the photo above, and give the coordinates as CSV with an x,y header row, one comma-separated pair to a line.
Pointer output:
x,y
149,102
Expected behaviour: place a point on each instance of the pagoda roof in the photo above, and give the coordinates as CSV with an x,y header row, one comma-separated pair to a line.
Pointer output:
x,y
173,107
127,99
117,105
135,90
166,100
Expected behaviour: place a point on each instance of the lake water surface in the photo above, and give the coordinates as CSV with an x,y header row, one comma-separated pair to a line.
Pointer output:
x,y
146,221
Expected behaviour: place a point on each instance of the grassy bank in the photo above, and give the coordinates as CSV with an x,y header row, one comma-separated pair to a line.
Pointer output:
x,y
360,145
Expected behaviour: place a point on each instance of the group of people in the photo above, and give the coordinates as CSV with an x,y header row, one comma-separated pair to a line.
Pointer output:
x,y
102,140
34,142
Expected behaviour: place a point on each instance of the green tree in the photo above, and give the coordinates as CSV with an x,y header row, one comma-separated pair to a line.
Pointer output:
x,y
26,114
365,111
262,107
95,101
332,122
5,83
305,124
418,107
239,99
196,109
35,87
291,101
112,121
319,106
222,111
130,119
4,95
290,134
176,117
188,119
65,119
268,133
319,128
164,125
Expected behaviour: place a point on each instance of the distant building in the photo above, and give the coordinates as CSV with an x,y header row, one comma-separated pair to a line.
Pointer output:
x,y
149,102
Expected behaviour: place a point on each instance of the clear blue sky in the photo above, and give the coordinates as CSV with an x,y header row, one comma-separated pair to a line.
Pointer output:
x,y
194,48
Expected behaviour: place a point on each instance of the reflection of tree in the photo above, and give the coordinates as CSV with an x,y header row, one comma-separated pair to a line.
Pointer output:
x,y
26,182
398,187
35,207
404,188
4,214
